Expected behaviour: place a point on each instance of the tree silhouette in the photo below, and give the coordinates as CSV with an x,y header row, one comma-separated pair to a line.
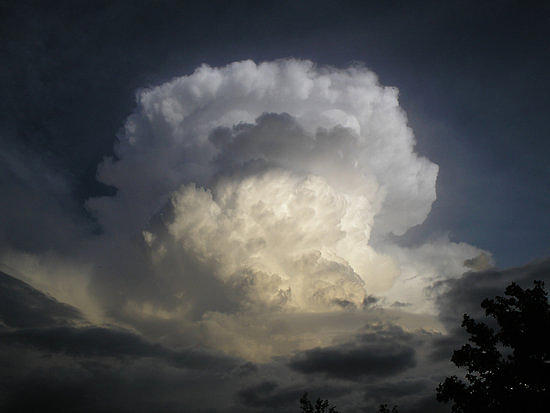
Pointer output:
x,y
321,406
508,370
385,409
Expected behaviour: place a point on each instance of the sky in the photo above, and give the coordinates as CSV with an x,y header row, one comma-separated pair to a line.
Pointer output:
x,y
216,206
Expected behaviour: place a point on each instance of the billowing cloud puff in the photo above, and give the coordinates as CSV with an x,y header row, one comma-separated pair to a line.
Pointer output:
x,y
340,124
297,231
255,190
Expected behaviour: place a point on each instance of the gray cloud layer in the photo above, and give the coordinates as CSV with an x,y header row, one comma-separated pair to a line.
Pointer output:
x,y
381,353
102,368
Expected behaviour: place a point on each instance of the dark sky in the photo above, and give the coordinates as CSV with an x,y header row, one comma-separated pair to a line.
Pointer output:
x,y
473,81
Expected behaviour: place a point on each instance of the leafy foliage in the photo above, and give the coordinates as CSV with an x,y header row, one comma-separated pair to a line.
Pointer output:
x,y
508,370
321,406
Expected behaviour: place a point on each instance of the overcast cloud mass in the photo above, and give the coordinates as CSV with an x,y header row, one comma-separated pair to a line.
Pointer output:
x,y
258,228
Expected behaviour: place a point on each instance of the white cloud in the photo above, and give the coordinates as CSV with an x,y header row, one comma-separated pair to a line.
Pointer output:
x,y
166,141
248,194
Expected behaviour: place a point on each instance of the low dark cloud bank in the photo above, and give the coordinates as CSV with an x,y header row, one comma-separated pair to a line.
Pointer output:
x,y
73,365
383,353
108,342
22,306
52,359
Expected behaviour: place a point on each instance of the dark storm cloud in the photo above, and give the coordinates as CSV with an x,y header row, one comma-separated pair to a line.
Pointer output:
x,y
52,384
40,322
355,364
70,365
22,306
382,353
109,342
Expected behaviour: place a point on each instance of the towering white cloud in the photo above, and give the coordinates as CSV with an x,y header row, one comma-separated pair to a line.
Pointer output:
x,y
168,140
256,188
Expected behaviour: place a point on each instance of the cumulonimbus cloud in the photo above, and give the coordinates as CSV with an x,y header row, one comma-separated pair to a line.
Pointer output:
x,y
255,189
